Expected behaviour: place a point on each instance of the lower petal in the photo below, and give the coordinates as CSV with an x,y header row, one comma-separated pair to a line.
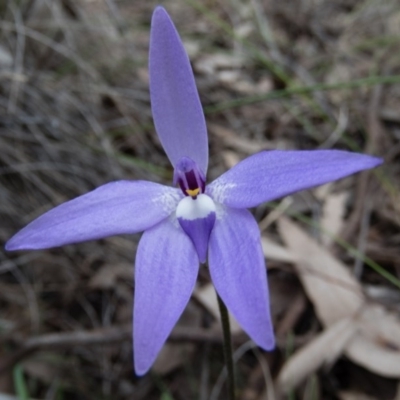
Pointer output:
x,y
197,218
165,274
237,270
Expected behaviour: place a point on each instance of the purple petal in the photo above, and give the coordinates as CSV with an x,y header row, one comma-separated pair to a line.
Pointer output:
x,y
196,216
165,274
175,103
112,209
237,270
273,174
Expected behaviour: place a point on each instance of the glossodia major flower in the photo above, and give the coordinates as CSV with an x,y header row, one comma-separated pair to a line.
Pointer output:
x,y
186,224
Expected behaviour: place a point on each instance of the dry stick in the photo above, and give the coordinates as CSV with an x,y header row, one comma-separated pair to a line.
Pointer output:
x,y
57,47
105,336
113,335
373,136
293,314
362,238
352,224
19,61
227,347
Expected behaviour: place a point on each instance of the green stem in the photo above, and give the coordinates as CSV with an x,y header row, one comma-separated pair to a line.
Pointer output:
x,y
227,348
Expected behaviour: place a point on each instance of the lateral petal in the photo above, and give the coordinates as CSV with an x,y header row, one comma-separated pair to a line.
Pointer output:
x,y
237,270
177,111
165,274
115,208
273,174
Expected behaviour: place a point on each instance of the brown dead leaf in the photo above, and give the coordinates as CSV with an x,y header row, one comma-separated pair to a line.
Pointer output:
x,y
143,75
330,286
322,192
230,138
337,296
333,212
323,349
274,215
377,347
274,251
355,396
230,158
209,64
107,276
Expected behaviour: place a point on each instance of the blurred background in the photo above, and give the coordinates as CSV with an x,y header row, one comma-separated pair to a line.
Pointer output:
x,y
75,114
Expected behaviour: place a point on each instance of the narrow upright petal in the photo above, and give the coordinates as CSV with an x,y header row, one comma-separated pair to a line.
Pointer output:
x,y
238,272
270,175
115,208
165,274
175,103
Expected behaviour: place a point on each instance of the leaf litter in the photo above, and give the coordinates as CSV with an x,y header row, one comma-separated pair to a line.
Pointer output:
x,y
365,332
75,114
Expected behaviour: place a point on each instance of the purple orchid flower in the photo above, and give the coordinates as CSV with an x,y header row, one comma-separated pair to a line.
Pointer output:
x,y
183,226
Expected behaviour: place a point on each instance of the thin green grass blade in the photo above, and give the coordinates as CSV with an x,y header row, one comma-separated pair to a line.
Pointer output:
x,y
19,383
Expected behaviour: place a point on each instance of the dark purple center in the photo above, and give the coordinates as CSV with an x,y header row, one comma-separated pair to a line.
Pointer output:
x,y
189,177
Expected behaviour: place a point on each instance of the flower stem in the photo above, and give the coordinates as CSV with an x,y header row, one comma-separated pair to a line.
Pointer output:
x,y
227,348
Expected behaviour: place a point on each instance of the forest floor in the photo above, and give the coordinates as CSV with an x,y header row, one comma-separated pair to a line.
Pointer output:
x,y
75,114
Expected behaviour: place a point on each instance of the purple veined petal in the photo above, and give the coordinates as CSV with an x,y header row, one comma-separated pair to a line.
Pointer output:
x,y
166,270
177,111
273,174
115,208
196,216
238,272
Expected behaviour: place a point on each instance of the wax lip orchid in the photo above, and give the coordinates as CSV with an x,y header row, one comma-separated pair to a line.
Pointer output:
x,y
187,224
